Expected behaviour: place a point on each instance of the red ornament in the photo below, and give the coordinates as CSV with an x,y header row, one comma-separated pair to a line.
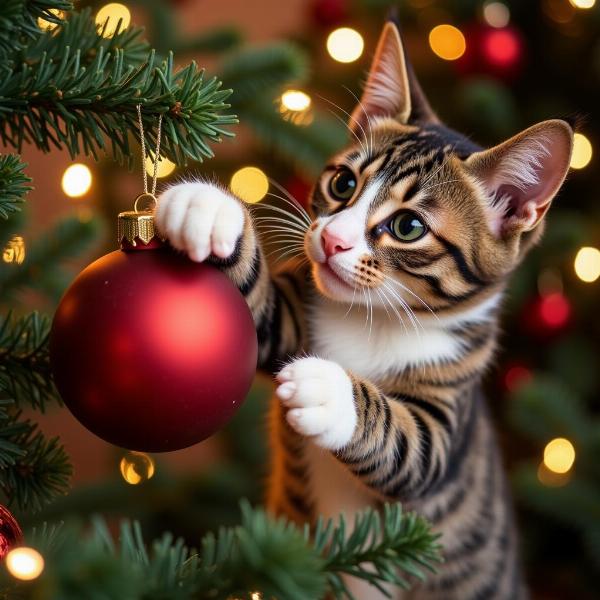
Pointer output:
x,y
10,532
149,350
328,13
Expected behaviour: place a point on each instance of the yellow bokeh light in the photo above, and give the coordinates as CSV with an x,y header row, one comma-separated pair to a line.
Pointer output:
x,y
496,14
582,151
550,478
76,180
345,45
587,264
49,25
24,563
250,184
164,168
585,4
114,12
447,42
14,251
295,100
136,467
559,455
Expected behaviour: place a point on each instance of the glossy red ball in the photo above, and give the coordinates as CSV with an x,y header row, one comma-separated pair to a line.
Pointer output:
x,y
151,351
10,532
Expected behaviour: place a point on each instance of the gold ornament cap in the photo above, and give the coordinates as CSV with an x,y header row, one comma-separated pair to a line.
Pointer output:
x,y
138,225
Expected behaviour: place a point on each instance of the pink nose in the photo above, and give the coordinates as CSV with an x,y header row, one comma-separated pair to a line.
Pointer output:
x,y
333,244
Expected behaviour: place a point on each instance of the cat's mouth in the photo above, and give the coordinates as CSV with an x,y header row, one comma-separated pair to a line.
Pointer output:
x,y
331,275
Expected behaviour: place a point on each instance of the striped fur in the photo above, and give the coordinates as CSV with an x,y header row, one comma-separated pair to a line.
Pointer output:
x,y
380,345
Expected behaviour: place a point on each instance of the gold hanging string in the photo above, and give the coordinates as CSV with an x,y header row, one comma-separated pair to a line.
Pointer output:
x,y
156,155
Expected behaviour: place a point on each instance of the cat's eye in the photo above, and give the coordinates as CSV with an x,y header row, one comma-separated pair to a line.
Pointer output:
x,y
407,227
342,185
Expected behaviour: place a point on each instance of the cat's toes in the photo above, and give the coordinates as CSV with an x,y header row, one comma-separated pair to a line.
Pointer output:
x,y
319,398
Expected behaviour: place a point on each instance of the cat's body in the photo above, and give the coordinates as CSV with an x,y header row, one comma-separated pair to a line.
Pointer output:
x,y
380,346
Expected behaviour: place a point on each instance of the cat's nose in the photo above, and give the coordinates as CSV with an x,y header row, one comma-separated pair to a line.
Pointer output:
x,y
333,243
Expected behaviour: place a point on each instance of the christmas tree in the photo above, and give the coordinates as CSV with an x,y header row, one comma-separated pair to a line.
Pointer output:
x,y
490,68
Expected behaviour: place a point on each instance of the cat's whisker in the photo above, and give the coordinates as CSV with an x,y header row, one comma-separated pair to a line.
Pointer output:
x,y
383,302
416,296
267,227
360,142
299,210
406,308
351,303
266,223
366,113
430,187
295,202
396,311
287,213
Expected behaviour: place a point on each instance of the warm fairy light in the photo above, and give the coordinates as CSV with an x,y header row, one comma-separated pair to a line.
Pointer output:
x,y
345,45
250,184
14,251
24,563
295,100
496,14
582,151
49,25
447,42
76,180
114,12
136,467
559,455
587,264
256,596
164,169
585,4
550,478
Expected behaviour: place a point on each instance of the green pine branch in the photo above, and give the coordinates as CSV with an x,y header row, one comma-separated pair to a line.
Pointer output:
x,y
14,184
266,555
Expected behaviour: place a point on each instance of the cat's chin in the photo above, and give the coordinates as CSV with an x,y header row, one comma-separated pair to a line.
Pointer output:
x,y
331,284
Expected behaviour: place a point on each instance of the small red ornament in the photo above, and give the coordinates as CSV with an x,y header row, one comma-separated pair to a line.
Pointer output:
x,y
149,350
328,13
10,532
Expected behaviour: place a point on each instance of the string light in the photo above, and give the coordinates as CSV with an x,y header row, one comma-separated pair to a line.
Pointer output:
x,y
585,4
559,455
14,251
76,180
45,25
447,42
345,45
295,100
587,264
496,14
582,151
24,563
164,169
136,467
250,184
114,13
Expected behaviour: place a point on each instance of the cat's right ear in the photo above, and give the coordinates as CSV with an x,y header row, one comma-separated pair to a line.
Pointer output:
x,y
392,89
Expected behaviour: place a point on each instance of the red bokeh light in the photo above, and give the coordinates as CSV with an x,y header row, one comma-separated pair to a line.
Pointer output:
x,y
516,376
502,47
554,310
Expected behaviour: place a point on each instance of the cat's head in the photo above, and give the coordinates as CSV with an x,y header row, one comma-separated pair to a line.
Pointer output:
x,y
415,212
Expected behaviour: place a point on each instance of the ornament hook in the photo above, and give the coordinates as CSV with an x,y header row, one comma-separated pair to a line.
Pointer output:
x,y
145,197
156,154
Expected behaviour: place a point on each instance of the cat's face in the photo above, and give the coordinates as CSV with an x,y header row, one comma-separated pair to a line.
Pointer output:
x,y
415,213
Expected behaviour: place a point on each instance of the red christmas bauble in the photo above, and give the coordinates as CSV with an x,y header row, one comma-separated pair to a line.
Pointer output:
x,y
10,532
151,351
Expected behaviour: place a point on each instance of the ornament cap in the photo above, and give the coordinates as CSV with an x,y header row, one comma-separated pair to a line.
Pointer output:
x,y
137,225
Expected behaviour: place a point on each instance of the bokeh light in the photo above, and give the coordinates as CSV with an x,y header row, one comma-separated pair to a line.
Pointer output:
x,y
587,264
76,180
164,168
14,251
45,25
516,376
555,310
345,45
114,12
496,14
447,42
559,455
250,184
582,151
295,100
136,467
502,47
550,478
24,563
585,4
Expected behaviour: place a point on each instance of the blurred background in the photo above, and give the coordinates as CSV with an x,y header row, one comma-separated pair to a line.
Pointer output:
x,y
490,69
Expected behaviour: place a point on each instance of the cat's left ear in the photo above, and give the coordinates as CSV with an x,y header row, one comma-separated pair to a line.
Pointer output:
x,y
521,176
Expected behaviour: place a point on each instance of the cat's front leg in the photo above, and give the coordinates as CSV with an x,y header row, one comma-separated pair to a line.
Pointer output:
x,y
319,400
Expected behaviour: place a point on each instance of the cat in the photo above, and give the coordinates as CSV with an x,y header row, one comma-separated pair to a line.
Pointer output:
x,y
385,336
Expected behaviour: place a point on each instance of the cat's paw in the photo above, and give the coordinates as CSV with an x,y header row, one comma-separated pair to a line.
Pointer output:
x,y
200,219
318,396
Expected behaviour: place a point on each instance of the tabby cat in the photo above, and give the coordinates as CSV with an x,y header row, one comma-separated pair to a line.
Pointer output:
x,y
379,346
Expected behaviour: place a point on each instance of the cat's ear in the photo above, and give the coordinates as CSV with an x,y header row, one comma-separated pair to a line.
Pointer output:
x,y
521,176
392,89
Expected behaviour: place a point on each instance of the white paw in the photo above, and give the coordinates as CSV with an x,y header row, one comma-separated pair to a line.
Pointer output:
x,y
318,396
200,219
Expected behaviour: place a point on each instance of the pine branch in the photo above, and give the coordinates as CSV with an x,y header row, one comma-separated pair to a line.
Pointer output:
x,y
25,375
271,556
13,184
63,100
